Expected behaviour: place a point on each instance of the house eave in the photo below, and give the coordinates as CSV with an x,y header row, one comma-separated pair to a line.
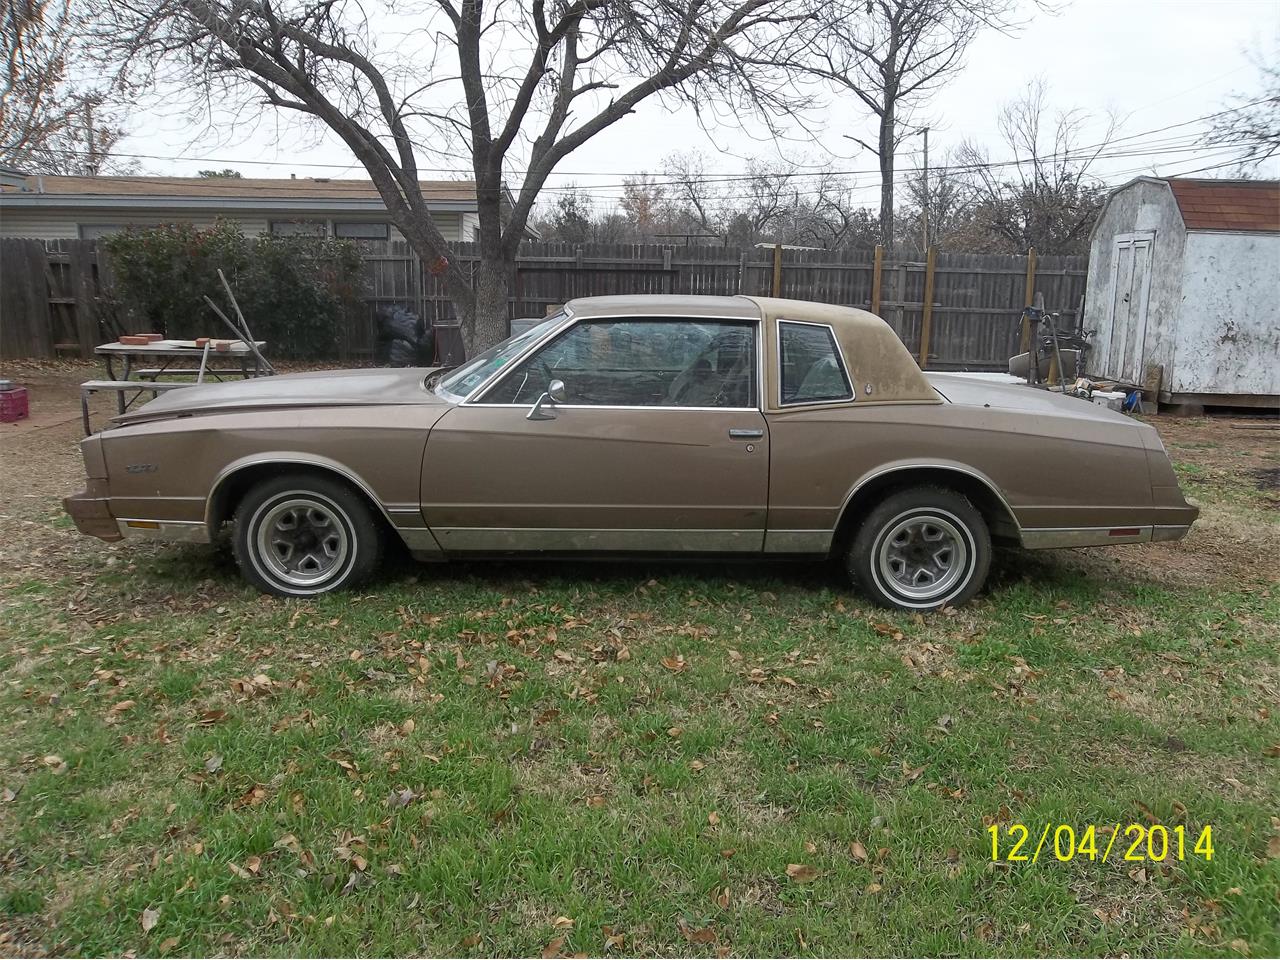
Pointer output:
x,y
218,204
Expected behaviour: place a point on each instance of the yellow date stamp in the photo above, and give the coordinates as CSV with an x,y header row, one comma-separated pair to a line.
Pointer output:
x,y
1018,843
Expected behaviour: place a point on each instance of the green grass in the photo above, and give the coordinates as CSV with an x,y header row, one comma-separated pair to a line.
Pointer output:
x,y
563,761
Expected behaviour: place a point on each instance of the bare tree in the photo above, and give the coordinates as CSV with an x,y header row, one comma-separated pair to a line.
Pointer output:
x,y
892,55
643,203
497,82
946,197
48,123
1046,196
1254,123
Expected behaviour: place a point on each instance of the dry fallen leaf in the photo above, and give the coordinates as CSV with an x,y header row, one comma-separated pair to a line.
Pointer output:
x,y
552,949
1273,848
612,939
562,923
150,917
406,728
675,664
713,818
802,873
705,934
168,944
857,850
471,940
213,764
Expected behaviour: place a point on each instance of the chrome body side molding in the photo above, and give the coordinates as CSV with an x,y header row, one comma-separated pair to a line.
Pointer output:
x,y
798,541
546,539
1042,538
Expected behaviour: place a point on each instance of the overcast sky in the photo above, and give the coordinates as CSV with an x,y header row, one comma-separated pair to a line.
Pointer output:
x,y
1155,63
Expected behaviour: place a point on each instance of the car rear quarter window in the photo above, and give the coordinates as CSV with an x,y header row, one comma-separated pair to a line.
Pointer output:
x,y
812,368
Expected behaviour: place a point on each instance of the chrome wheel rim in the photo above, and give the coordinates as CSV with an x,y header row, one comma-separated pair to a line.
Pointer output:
x,y
923,556
303,541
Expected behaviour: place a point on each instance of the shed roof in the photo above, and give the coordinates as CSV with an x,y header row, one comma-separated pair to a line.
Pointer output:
x,y
306,188
1243,205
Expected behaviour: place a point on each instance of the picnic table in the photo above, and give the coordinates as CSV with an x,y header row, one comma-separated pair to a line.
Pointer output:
x,y
150,361
165,358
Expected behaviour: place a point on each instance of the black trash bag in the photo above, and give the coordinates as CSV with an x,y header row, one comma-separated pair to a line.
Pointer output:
x,y
403,339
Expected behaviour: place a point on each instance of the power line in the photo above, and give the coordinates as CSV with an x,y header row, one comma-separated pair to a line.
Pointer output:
x,y
725,178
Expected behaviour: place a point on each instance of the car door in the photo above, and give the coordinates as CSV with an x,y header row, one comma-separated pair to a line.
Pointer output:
x,y
658,445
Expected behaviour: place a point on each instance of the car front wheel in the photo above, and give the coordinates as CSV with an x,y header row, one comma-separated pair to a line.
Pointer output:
x,y
303,535
921,549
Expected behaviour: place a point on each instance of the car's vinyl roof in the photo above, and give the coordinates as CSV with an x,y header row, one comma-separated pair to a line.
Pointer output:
x,y
660,305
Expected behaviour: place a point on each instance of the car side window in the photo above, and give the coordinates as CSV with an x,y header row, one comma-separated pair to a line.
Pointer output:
x,y
812,367
641,363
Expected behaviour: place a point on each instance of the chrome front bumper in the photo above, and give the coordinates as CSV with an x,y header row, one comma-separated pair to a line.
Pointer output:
x,y
90,511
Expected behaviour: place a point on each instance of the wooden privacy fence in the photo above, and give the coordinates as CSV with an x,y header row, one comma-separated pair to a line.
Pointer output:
x,y
952,310
971,322
48,298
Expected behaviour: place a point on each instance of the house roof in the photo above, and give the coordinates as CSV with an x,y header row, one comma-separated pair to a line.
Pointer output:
x,y
306,188
1237,205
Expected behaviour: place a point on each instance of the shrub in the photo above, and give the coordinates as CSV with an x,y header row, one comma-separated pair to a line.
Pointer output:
x,y
297,293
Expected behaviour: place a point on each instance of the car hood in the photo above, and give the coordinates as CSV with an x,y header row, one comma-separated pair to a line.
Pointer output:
x,y
327,388
975,391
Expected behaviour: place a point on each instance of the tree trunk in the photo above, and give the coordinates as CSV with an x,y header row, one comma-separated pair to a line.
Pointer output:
x,y
489,321
886,144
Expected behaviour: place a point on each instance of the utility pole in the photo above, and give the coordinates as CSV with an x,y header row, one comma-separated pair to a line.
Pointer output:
x,y
91,153
924,214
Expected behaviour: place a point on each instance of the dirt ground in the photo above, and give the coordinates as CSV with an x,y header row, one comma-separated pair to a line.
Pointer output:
x,y
1230,466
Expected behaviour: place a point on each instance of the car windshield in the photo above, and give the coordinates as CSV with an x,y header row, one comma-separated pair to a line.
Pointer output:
x,y
463,381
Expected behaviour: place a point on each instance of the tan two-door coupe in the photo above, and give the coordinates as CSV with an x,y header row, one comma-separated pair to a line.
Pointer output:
x,y
730,426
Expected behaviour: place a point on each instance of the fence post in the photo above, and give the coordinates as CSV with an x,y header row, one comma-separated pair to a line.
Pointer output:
x,y
926,319
877,270
1028,300
777,270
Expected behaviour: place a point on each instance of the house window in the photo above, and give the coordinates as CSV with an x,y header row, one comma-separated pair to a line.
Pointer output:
x,y
361,231
299,228
92,231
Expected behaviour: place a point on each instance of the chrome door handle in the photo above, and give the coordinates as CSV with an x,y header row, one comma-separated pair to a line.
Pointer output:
x,y
743,434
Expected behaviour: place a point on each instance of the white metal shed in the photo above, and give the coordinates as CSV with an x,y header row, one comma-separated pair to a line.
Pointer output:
x,y
1185,275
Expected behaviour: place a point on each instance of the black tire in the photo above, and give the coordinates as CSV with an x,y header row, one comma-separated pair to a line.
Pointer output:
x,y
921,549
301,535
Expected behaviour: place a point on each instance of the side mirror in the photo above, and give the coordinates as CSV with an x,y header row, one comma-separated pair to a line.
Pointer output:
x,y
555,394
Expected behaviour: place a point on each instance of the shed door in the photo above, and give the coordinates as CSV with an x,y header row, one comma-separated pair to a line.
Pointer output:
x,y
1127,323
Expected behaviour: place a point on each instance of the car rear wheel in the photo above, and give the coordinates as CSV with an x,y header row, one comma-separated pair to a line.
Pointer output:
x,y
302,535
921,549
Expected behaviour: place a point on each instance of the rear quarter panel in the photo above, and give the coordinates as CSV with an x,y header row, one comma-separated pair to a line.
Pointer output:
x,y
1052,470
